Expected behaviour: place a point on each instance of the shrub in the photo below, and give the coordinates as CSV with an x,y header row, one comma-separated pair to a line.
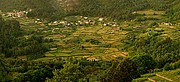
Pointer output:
x,y
153,24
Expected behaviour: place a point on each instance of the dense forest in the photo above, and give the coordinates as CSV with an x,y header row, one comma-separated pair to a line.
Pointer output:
x,y
119,9
150,41
13,42
174,12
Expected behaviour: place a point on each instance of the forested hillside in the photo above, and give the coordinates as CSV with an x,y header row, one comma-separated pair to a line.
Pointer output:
x,y
40,8
119,9
174,11
13,42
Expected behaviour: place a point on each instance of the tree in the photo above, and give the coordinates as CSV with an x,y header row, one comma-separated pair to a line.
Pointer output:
x,y
10,30
1,21
167,67
89,7
153,24
144,63
125,71
3,69
70,72
36,73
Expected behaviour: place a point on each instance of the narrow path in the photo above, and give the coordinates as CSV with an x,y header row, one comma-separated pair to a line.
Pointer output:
x,y
164,77
123,54
151,80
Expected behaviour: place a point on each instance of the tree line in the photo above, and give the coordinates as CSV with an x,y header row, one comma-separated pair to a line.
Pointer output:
x,y
13,42
118,9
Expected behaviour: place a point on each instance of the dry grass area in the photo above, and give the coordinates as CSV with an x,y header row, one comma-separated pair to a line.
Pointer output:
x,y
150,12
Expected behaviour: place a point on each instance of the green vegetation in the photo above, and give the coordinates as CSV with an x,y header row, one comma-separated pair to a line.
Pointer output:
x,y
98,41
115,9
174,11
172,75
13,43
125,71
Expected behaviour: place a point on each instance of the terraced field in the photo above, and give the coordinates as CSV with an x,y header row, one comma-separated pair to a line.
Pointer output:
x,y
99,41
165,76
101,35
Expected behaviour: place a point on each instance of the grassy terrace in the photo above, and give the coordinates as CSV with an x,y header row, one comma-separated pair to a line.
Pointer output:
x,y
165,76
103,34
98,41
90,41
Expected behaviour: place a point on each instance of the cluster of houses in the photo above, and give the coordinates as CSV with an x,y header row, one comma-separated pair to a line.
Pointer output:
x,y
91,58
83,21
15,13
167,23
64,23
76,23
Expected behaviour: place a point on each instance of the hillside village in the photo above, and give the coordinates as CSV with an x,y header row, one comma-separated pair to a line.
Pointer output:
x,y
89,41
16,13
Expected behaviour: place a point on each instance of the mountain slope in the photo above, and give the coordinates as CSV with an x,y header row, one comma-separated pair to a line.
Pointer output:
x,y
174,11
119,9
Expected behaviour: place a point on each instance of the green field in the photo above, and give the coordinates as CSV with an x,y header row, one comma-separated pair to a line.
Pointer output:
x,y
98,41
89,41
165,76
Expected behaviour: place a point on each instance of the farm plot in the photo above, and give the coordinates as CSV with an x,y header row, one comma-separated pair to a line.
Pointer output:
x,y
165,76
90,42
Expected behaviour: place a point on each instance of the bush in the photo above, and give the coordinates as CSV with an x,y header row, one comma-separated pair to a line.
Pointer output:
x,y
125,71
172,66
176,65
153,24
139,19
144,63
167,67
